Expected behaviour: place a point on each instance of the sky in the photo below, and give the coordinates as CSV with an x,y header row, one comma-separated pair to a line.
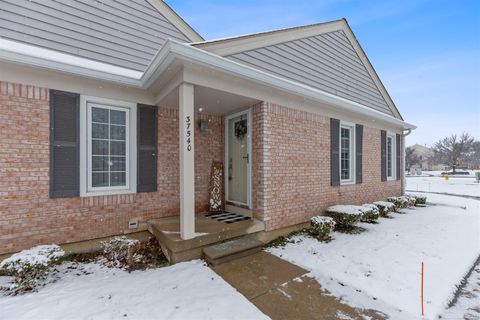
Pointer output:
x,y
426,52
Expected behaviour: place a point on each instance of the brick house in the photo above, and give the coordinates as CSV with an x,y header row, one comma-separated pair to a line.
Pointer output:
x,y
111,118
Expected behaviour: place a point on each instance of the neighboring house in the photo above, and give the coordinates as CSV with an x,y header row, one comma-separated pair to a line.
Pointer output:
x,y
425,153
100,104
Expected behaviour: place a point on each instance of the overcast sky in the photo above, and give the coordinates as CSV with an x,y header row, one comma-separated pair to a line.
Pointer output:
x,y
427,53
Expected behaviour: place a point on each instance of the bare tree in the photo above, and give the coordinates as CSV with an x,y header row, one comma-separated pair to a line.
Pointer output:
x,y
454,149
474,158
411,158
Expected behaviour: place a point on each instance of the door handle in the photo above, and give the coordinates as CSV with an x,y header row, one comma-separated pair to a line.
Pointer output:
x,y
246,157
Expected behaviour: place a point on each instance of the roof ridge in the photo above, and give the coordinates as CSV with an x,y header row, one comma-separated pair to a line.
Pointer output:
x,y
266,32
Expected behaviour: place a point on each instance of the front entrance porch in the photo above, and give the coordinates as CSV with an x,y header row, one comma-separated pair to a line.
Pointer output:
x,y
200,143
199,96
208,230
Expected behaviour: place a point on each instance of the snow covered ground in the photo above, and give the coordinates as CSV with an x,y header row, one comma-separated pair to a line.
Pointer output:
x,y
458,185
438,173
188,290
380,268
468,303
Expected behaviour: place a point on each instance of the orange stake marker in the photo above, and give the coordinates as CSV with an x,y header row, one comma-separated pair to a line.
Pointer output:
x,y
422,291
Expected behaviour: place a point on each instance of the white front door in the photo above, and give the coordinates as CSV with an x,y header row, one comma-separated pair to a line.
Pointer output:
x,y
238,158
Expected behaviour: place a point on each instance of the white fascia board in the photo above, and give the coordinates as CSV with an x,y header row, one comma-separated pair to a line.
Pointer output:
x,y
46,58
194,55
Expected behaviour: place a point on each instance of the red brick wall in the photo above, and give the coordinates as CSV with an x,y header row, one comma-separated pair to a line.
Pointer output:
x,y
290,162
29,217
291,165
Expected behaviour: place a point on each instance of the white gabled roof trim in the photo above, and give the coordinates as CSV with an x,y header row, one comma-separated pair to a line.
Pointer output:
x,y
171,50
211,60
268,32
233,45
175,19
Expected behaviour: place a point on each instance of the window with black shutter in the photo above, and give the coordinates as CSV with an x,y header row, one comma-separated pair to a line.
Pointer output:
x,y
64,144
334,152
398,156
146,148
358,153
383,155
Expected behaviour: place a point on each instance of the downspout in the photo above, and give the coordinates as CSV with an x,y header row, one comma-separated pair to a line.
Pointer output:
x,y
404,183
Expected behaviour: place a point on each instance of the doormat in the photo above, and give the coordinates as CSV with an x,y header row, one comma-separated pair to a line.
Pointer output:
x,y
227,217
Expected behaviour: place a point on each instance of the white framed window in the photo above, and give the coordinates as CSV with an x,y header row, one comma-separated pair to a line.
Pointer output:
x,y
391,156
107,147
347,153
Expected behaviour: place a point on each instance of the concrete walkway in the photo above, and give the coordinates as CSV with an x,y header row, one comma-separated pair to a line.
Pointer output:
x,y
282,290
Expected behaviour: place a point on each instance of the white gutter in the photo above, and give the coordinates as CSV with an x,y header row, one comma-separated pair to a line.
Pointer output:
x,y
405,160
46,58
171,50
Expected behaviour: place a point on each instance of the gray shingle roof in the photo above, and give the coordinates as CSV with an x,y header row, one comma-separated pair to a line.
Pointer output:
x,y
327,62
125,33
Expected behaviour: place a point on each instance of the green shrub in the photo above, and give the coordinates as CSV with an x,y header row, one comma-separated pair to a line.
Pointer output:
x,y
371,214
30,267
345,216
420,201
399,202
384,207
411,200
321,227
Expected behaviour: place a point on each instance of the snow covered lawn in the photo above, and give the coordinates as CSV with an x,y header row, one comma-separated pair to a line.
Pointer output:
x,y
188,290
380,268
468,305
458,185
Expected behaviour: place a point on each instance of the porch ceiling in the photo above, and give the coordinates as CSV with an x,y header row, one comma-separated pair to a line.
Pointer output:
x,y
212,101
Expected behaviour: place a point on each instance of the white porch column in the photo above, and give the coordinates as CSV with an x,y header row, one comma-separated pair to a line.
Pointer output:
x,y
187,174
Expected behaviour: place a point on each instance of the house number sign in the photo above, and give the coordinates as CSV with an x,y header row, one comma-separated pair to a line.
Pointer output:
x,y
188,125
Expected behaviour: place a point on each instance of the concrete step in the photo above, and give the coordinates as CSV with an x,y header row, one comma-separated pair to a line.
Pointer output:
x,y
233,249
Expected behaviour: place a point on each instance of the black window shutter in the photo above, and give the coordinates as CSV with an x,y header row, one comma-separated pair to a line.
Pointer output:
x,y
64,144
334,152
383,151
358,153
398,156
146,148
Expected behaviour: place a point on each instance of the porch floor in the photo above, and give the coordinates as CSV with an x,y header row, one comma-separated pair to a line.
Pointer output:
x,y
208,231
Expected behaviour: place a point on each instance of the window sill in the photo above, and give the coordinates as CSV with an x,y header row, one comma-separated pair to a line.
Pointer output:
x,y
347,183
391,179
107,193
